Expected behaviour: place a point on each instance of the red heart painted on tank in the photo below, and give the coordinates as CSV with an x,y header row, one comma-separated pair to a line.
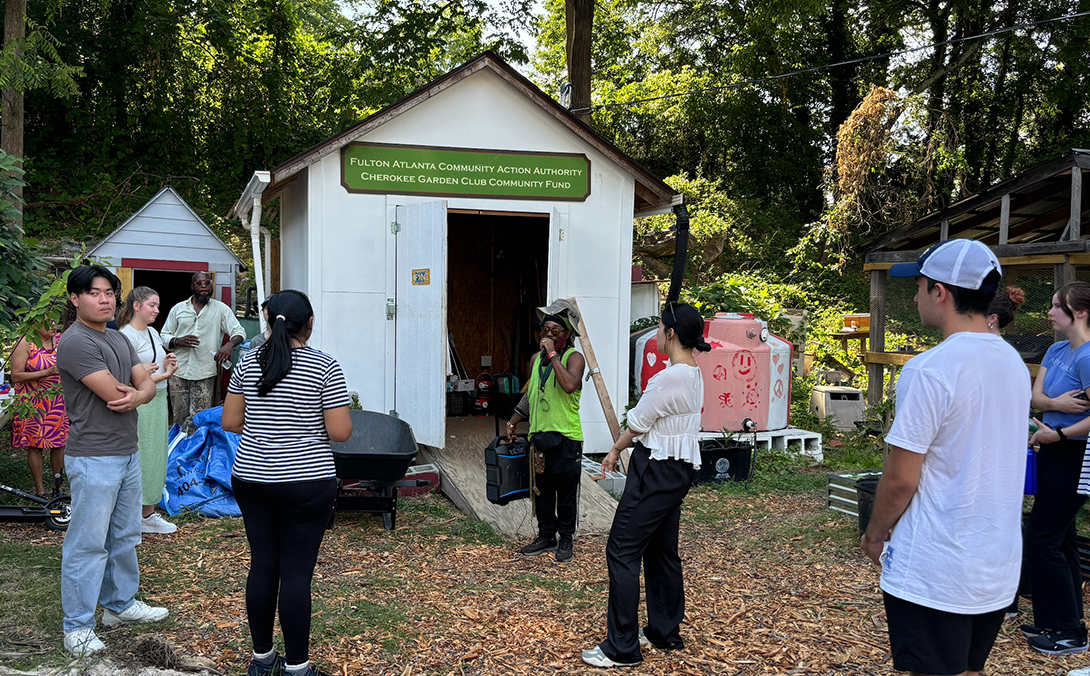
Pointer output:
x,y
775,359
780,369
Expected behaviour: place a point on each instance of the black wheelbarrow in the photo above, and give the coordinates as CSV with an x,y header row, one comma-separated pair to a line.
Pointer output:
x,y
371,465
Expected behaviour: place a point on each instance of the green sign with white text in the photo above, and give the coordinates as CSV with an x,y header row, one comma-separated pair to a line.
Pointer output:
x,y
449,172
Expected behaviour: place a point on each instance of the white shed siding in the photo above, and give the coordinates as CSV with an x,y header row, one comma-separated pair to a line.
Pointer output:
x,y
165,229
293,235
349,263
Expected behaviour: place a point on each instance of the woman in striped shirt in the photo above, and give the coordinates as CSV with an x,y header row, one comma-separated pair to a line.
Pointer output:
x,y
288,401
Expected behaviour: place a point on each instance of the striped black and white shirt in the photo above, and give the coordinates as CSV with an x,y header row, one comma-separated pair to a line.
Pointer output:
x,y
283,434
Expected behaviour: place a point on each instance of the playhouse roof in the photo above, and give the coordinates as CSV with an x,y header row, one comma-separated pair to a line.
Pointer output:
x,y
165,228
651,192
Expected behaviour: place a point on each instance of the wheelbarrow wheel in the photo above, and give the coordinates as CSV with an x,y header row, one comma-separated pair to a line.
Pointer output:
x,y
389,519
58,513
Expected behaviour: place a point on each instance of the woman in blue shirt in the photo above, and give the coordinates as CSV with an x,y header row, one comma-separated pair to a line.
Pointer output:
x,y
1052,556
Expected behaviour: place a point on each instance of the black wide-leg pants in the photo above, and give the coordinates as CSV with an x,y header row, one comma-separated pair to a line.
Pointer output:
x,y
1051,551
557,501
645,528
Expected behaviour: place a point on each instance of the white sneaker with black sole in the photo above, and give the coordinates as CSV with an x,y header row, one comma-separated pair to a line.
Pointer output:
x,y
137,612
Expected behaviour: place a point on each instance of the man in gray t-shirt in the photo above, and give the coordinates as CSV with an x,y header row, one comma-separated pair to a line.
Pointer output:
x,y
103,383
95,429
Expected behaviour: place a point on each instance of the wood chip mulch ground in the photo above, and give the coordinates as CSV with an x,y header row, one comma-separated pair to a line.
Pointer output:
x,y
775,584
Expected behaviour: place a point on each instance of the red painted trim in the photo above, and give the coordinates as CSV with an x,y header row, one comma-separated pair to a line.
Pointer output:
x,y
146,264
227,297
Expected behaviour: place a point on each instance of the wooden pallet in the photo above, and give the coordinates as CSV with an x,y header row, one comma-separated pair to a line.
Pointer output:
x,y
461,467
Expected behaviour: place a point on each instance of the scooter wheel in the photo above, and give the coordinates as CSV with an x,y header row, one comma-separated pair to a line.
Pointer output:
x,y
58,513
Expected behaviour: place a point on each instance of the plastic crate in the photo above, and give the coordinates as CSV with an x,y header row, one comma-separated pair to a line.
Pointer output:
x,y
458,404
840,492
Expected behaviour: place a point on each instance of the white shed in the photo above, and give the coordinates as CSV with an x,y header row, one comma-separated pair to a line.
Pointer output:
x,y
451,214
162,245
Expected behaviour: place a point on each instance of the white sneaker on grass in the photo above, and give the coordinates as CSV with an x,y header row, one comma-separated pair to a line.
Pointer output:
x,y
137,612
82,642
156,524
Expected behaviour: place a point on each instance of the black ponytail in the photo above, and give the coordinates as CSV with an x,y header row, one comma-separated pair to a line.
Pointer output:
x,y
687,325
289,311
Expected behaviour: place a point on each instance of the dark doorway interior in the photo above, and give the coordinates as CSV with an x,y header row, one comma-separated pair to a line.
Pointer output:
x,y
172,287
496,276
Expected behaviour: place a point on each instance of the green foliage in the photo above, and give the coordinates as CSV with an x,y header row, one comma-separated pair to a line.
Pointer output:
x,y
198,95
724,234
22,268
749,293
34,63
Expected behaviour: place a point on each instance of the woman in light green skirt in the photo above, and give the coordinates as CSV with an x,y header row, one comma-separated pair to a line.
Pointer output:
x,y
141,309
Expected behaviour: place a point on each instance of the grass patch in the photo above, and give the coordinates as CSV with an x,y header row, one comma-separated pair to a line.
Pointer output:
x,y
433,516
31,615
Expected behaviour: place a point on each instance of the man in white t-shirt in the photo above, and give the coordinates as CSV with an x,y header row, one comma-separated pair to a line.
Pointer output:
x,y
946,525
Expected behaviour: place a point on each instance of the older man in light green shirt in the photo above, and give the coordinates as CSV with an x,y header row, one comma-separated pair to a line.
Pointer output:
x,y
193,331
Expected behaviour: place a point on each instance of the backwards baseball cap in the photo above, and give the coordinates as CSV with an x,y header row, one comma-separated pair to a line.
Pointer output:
x,y
957,262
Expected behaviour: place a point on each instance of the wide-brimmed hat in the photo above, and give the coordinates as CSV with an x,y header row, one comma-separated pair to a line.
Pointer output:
x,y
563,309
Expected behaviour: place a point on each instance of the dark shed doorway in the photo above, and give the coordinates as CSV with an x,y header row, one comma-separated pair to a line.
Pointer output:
x,y
497,275
172,287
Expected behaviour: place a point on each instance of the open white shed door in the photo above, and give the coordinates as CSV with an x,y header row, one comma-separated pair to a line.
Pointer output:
x,y
420,349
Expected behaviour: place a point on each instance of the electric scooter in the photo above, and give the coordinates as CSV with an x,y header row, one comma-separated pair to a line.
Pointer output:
x,y
55,513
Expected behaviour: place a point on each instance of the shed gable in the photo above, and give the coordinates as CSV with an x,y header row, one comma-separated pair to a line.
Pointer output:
x,y
165,228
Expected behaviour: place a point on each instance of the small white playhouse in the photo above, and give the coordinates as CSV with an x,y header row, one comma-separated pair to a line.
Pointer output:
x,y
162,245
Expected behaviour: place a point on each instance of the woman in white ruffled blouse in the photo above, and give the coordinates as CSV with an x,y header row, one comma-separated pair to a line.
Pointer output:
x,y
664,425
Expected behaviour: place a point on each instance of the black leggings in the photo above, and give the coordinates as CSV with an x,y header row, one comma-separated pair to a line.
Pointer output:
x,y
1051,551
285,523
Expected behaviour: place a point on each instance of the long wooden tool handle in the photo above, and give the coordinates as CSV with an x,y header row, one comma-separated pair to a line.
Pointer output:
x,y
599,382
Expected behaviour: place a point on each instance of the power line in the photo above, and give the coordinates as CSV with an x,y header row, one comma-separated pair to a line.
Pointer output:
x,y
863,59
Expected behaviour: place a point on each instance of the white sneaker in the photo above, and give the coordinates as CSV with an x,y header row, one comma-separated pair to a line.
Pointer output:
x,y
137,612
82,642
156,524
644,641
597,658
1085,671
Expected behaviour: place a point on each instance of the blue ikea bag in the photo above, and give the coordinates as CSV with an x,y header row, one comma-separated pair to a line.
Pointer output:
x,y
199,468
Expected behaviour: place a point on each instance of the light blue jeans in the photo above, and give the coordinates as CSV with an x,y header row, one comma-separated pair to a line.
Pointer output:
x,y
98,561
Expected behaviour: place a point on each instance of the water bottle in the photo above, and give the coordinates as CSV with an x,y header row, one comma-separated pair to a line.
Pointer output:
x,y
226,365
1031,472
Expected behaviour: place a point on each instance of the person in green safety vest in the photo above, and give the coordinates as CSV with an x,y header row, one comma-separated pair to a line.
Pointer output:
x,y
556,432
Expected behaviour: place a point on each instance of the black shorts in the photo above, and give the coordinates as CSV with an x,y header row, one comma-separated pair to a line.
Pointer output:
x,y
929,641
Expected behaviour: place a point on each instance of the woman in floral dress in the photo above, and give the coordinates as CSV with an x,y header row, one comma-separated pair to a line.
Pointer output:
x,y
34,372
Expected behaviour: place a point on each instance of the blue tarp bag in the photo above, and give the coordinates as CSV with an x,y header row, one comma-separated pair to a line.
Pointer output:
x,y
199,468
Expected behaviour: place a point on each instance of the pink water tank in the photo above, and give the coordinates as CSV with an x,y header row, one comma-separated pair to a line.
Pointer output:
x,y
747,374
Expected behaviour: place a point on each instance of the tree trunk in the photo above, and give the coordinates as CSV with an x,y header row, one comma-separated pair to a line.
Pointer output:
x,y
579,22
11,115
845,96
